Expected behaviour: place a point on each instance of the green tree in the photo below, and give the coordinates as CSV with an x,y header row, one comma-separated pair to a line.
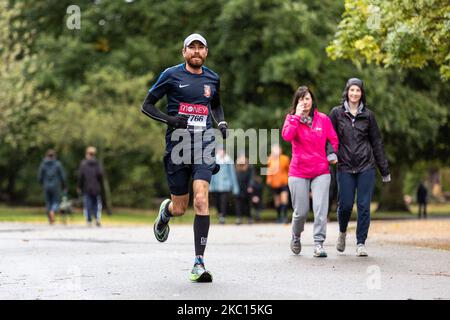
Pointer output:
x,y
401,35
405,33
22,107
87,85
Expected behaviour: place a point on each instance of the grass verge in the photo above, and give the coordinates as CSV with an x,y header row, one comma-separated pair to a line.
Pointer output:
x,y
127,216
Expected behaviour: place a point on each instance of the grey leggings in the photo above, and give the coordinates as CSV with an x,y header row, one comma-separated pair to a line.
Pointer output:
x,y
320,188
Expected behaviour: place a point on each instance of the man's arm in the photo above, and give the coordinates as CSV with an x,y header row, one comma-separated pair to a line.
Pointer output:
x,y
218,116
149,109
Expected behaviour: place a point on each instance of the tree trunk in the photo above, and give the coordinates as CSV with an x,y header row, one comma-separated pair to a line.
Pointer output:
x,y
108,201
13,168
392,192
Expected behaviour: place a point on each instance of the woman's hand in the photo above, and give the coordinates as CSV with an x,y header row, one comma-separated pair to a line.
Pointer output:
x,y
332,158
300,108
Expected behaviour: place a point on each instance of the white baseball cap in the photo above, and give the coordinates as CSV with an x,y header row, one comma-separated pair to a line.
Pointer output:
x,y
195,37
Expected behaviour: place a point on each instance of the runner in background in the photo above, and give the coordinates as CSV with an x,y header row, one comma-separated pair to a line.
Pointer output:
x,y
277,179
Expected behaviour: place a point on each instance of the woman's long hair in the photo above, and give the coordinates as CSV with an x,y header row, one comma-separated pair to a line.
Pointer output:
x,y
300,93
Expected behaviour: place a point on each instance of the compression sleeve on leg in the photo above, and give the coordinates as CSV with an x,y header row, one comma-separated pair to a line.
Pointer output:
x,y
201,229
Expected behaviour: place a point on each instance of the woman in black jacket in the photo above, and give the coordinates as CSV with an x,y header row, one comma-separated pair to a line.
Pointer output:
x,y
360,151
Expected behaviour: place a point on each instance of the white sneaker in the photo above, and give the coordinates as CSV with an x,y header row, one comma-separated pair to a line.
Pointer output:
x,y
319,251
361,250
340,245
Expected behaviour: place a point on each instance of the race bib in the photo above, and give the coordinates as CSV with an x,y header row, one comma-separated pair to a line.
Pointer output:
x,y
197,114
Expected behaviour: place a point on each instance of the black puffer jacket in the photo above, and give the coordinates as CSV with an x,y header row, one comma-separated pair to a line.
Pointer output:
x,y
360,143
90,177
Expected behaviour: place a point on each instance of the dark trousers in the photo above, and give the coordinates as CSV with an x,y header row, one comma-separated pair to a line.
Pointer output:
x,y
362,184
422,210
243,206
257,208
52,197
92,207
221,202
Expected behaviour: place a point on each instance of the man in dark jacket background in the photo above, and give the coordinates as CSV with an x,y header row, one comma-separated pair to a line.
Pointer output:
x,y
422,199
52,178
90,185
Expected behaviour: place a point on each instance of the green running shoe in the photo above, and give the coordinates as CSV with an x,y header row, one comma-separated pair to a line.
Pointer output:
x,y
161,229
199,273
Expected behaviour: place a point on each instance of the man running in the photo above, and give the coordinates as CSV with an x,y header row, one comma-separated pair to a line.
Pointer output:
x,y
192,92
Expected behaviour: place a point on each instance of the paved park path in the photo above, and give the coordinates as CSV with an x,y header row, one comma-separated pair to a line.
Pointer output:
x,y
248,262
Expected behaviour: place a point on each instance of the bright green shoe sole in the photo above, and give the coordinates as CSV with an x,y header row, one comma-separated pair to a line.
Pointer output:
x,y
204,277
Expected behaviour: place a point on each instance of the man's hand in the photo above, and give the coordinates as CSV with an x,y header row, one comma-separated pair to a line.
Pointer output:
x,y
178,121
223,127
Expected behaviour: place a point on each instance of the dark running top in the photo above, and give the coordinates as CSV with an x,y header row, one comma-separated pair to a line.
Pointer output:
x,y
189,94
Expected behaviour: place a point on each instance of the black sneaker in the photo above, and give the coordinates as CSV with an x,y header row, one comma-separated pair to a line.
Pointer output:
x,y
161,229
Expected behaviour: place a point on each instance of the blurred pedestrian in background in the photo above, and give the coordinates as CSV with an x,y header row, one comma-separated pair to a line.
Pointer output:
x,y
256,196
422,199
244,172
277,179
90,184
223,183
52,178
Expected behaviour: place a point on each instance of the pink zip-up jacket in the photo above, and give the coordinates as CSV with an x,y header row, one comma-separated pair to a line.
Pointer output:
x,y
309,159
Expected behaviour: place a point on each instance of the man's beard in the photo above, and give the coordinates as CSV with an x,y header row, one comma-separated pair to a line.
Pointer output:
x,y
195,65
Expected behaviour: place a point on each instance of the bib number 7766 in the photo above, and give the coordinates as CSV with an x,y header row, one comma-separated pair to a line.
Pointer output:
x,y
197,114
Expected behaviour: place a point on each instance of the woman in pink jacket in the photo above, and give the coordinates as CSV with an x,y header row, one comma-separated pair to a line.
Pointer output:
x,y
308,131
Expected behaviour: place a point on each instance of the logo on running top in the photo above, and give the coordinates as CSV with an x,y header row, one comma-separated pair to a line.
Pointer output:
x,y
183,85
